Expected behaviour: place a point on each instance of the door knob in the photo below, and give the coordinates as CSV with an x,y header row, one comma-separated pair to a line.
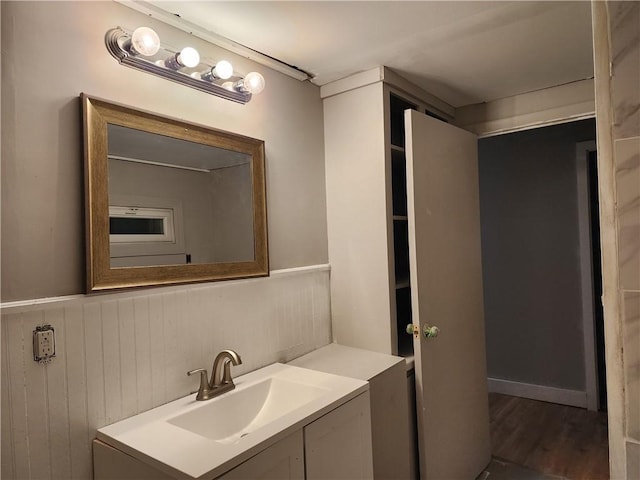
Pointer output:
x,y
413,330
429,331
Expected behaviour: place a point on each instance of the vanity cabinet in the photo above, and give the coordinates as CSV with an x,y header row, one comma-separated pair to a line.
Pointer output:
x,y
335,445
283,460
386,374
338,445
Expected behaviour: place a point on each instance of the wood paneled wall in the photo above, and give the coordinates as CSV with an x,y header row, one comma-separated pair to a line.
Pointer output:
x,y
124,353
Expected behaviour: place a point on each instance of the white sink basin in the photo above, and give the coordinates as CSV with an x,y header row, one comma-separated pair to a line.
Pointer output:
x,y
241,412
193,439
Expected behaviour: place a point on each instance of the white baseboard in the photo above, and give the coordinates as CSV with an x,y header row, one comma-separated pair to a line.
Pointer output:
x,y
574,398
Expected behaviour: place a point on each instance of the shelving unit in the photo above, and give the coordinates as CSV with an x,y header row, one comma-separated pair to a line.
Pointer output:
x,y
400,222
368,232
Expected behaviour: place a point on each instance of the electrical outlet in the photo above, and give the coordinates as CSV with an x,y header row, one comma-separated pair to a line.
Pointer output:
x,y
44,344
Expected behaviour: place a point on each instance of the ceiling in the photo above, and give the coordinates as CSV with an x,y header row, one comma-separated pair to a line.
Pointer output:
x,y
462,52
145,147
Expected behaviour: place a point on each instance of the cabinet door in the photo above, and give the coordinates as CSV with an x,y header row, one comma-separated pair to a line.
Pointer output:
x,y
111,464
338,445
446,291
281,461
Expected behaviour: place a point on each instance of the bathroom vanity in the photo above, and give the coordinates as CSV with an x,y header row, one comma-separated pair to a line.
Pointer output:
x,y
393,455
281,421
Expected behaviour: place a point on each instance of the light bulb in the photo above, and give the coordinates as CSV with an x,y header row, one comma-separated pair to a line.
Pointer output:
x,y
221,70
252,83
187,57
145,41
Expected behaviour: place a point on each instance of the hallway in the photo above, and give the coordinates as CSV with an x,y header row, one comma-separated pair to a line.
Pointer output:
x,y
553,439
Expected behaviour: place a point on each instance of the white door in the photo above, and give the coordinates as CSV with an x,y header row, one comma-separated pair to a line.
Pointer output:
x,y
446,291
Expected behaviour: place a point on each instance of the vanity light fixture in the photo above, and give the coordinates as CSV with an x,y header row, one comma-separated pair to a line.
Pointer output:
x,y
142,50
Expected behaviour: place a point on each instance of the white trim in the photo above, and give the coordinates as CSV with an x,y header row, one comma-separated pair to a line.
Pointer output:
x,y
20,305
211,37
405,86
574,398
586,272
298,270
357,80
30,304
531,126
158,164
569,102
394,80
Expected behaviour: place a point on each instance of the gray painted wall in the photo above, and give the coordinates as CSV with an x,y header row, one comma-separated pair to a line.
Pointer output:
x,y
531,267
191,189
53,51
232,212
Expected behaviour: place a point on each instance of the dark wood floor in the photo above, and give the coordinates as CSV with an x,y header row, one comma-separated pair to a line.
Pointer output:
x,y
554,439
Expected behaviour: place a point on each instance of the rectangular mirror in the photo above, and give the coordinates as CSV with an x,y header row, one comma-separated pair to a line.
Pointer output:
x,y
169,202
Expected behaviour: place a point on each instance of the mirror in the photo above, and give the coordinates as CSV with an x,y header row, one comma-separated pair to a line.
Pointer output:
x,y
169,202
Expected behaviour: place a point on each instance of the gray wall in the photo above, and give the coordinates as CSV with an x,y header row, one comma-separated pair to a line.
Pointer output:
x,y
530,255
232,211
53,51
190,188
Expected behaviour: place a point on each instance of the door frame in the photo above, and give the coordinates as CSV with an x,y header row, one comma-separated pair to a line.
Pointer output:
x,y
591,397
608,239
586,273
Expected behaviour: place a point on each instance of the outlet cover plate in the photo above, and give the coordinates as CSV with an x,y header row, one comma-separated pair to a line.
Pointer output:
x,y
44,344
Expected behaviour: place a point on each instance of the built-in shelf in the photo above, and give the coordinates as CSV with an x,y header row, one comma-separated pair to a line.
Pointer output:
x,y
399,182
400,224
401,249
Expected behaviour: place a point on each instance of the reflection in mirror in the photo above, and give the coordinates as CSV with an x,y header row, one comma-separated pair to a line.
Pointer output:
x,y
170,202
173,201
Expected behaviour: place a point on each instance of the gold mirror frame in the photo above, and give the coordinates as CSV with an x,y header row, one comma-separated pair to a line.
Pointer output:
x,y
97,114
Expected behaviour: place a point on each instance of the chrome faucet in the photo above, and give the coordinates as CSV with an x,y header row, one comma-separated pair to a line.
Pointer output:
x,y
220,381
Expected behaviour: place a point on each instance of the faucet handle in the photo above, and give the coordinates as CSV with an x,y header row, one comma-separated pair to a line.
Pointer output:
x,y
203,391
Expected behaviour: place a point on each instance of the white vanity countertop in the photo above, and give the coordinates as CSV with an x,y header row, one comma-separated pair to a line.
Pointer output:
x,y
181,453
347,361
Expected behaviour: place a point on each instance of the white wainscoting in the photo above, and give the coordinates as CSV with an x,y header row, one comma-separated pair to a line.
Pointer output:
x,y
574,398
123,353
